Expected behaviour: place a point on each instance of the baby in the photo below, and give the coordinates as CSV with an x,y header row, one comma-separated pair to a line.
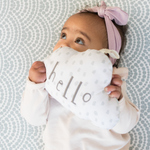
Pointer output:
x,y
64,130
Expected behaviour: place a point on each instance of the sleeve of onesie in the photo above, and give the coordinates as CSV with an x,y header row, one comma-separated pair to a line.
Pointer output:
x,y
35,104
129,113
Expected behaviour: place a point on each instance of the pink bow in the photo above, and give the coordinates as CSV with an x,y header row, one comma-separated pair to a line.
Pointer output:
x,y
119,16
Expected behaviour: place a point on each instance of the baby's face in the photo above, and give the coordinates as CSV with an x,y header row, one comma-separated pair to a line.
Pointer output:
x,y
82,32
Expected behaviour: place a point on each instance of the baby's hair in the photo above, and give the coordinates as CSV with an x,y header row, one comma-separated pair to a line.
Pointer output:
x,y
122,30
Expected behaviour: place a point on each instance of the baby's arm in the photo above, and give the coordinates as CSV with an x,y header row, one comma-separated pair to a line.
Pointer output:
x,y
129,113
35,100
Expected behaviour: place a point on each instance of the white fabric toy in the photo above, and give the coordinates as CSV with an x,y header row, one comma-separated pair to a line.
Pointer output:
x,y
77,81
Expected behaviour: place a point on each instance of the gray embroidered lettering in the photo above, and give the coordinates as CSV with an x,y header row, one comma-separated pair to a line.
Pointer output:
x,y
53,72
67,88
60,82
85,95
76,93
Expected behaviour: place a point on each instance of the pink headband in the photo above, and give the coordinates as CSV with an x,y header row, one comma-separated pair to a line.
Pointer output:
x,y
111,13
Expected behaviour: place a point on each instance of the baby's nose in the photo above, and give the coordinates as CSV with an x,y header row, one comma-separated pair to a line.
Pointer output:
x,y
64,45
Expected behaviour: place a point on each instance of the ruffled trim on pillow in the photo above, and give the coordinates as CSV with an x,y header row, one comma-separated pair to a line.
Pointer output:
x,y
112,53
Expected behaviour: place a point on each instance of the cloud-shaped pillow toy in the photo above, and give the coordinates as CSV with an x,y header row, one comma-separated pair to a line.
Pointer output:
x,y
77,81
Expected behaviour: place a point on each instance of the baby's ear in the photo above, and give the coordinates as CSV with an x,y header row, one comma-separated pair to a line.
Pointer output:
x,y
111,53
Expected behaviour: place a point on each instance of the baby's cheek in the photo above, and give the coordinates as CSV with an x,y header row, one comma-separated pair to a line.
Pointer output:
x,y
55,47
80,48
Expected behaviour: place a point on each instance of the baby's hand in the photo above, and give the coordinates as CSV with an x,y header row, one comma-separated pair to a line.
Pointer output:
x,y
37,72
115,87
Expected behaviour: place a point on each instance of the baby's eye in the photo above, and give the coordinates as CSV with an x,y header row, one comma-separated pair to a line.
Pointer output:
x,y
80,41
63,36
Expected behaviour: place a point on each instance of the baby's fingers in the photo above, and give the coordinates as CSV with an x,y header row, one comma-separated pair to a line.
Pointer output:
x,y
115,91
115,94
116,80
42,69
112,88
38,64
